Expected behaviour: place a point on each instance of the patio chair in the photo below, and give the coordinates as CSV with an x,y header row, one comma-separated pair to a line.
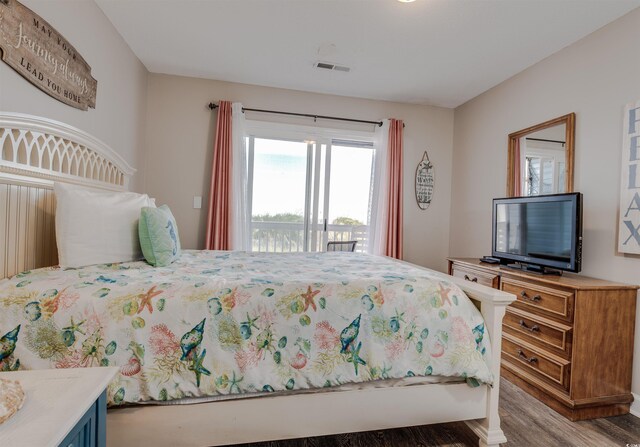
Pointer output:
x,y
341,245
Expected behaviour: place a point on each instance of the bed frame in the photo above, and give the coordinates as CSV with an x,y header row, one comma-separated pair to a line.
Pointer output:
x,y
35,152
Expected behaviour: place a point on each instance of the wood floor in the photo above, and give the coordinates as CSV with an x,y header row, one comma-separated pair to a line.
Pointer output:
x,y
525,421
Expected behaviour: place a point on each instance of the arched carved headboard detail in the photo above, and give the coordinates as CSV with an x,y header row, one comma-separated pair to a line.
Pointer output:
x,y
34,153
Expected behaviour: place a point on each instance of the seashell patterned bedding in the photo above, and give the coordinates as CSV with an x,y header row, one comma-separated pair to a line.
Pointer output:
x,y
11,398
219,323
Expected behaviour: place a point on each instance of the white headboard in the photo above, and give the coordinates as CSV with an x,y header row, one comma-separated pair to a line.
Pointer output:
x,y
35,152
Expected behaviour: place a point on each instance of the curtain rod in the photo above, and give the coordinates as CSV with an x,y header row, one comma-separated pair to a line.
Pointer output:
x,y
214,106
546,141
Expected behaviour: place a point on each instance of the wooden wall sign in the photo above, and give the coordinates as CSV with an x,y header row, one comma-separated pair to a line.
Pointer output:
x,y
629,229
33,48
425,180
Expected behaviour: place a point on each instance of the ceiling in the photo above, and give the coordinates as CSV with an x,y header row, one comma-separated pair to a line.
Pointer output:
x,y
437,52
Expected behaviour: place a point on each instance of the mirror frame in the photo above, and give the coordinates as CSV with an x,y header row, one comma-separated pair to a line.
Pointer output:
x,y
569,121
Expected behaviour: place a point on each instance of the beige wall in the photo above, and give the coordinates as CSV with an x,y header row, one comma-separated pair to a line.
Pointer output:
x,y
179,147
119,116
595,78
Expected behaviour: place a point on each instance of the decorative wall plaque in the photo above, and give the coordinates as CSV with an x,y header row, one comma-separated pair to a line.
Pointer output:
x,y
629,230
424,182
33,48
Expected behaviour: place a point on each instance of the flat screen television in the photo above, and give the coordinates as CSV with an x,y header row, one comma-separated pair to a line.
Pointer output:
x,y
539,233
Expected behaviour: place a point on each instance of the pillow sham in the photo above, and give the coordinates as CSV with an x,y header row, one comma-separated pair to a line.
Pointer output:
x,y
159,237
97,227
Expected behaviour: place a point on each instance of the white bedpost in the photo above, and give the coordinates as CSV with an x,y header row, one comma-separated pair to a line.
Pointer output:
x,y
493,305
488,429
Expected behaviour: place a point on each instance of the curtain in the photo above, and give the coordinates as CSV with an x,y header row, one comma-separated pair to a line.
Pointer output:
x,y
394,190
240,227
385,229
517,169
379,210
219,193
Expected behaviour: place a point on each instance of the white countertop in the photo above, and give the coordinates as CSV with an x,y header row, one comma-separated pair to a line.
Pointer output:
x,y
55,400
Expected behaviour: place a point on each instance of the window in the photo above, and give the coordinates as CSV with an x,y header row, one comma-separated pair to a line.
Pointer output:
x,y
308,189
543,167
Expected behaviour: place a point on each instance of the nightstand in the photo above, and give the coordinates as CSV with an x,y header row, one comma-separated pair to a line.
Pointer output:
x,y
63,407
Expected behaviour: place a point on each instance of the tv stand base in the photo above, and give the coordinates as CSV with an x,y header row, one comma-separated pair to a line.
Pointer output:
x,y
531,268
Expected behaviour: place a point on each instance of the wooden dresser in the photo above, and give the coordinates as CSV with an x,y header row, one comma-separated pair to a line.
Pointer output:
x,y
567,340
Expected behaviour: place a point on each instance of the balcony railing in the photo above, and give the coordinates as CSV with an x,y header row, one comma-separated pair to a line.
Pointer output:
x,y
288,237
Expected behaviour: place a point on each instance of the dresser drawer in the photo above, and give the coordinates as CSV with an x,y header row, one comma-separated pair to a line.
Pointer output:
x,y
77,441
481,277
84,434
543,364
540,300
538,331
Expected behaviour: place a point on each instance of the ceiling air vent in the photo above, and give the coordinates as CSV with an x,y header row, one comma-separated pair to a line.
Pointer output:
x,y
329,66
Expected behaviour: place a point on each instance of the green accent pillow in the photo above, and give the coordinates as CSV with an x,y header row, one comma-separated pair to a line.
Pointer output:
x,y
159,238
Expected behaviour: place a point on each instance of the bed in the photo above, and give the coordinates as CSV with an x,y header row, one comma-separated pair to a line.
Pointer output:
x,y
255,347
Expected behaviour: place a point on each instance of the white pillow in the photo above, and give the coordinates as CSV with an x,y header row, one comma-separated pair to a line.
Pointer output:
x,y
97,227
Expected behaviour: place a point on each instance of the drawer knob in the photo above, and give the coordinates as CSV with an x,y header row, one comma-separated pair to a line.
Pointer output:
x,y
468,278
522,355
534,298
534,328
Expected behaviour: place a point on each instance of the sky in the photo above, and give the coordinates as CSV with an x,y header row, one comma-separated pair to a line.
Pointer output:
x,y
279,179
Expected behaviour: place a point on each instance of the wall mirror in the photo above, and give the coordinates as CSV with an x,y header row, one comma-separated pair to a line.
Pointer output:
x,y
540,158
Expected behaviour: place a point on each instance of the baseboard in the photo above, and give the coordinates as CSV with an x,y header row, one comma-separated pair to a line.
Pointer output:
x,y
635,405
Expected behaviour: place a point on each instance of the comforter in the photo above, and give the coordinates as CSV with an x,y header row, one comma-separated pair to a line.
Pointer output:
x,y
219,322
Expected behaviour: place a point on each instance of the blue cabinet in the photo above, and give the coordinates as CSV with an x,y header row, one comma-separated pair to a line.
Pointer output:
x,y
90,431
63,408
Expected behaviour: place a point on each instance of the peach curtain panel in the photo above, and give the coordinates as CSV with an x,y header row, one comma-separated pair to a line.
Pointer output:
x,y
517,174
393,246
220,192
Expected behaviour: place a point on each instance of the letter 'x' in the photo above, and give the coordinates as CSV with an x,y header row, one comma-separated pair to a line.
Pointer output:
x,y
635,232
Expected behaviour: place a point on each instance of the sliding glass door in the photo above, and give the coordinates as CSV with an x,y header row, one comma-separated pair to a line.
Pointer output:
x,y
349,192
307,192
278,178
